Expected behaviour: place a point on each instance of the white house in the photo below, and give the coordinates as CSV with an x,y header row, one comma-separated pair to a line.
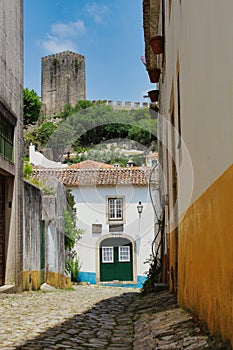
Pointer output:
x,y
117,238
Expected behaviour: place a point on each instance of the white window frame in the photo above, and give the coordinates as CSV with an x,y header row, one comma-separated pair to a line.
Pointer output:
x,y
124,253
107,258
115,209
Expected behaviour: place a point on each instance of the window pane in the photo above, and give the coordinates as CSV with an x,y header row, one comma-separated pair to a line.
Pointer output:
x,y
107,254
118,208
6,138
115,206
124,253
111,208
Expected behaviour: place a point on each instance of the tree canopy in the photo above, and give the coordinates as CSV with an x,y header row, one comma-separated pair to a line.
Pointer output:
x,y
91,126
88,124
31,107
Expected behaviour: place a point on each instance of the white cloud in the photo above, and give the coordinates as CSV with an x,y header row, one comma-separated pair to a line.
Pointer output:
x,y
70,29
53,44
62,38
97,12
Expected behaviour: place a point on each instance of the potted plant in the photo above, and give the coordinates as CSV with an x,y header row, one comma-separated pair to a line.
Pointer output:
x,y
154,95
154,74
157,43
153,71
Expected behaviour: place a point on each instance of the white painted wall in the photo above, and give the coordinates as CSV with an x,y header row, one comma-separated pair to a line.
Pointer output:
x,y
91,209
199,39
37,158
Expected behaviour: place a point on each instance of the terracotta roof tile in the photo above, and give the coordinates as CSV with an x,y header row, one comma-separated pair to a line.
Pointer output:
x,y
99,177
89,164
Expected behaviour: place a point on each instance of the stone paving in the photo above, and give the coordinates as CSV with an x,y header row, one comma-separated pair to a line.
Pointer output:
x,y
91,317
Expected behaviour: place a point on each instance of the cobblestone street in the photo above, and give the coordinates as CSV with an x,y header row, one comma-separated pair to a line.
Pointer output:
x,y
91,317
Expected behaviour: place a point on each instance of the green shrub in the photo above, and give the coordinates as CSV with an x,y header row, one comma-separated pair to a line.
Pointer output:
x,y
73,267
27,170
72,235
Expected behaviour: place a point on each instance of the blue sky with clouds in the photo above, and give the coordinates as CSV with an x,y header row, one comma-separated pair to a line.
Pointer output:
x,y
108,33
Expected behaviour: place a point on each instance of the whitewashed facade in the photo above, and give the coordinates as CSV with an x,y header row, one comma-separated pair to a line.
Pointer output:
x,y
117,240
105,236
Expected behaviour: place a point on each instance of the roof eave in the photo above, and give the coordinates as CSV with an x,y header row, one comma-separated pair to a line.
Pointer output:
x,y
151,20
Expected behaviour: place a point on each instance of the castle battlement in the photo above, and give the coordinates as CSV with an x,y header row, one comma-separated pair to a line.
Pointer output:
x,y
123,104
61,55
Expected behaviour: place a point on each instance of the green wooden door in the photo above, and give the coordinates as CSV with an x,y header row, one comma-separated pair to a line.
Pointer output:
x,y
124,262
116,263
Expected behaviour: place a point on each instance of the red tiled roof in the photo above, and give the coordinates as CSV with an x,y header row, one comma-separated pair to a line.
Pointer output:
x,y
99,177
89,164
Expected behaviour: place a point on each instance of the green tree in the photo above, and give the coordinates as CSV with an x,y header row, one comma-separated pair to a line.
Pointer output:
x,y
66,111
61,140
45,131
105,156
69,111
31,107
90,126
143,132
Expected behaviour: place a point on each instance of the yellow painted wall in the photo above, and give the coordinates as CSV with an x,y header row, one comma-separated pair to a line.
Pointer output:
x,y
199,55
57,280
171,262
31,280
205,274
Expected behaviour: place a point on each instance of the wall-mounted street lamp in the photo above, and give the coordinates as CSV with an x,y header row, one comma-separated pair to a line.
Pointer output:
x,y
140,208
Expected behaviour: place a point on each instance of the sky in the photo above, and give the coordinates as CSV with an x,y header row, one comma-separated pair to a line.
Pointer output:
x,y
109,33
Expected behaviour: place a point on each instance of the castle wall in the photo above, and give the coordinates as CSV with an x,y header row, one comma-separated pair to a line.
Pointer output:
x,y
63,81
118,105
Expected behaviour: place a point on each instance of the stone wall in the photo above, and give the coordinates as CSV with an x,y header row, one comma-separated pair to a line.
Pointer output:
x,y
53,209
11,54
44,249
32,235
118,105
63,81
11,112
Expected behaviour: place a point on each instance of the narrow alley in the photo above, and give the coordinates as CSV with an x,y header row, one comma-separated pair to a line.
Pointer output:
x,y
91,317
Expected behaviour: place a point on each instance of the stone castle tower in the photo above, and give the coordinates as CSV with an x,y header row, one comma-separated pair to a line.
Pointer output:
x,y
63,80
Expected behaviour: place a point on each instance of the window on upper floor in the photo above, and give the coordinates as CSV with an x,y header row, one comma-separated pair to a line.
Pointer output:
x,y
6,138
115,209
